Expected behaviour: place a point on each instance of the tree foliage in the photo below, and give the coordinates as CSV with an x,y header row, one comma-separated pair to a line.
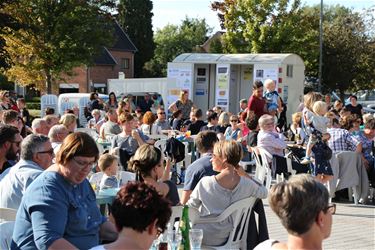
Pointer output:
x,y
286,26
135,17
173,40
54,37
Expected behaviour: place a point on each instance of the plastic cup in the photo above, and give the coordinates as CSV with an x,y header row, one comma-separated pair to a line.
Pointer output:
x,y
195,237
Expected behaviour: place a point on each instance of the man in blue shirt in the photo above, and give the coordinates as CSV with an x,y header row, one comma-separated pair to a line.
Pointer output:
x,y
36,155
202,167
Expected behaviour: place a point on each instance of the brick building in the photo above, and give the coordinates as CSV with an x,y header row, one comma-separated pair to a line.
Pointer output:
x,y
112,61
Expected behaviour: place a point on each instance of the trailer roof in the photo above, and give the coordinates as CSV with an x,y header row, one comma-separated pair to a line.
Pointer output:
x,y
237,58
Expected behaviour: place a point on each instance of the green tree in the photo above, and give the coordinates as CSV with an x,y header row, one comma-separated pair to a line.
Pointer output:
x,y
173,40
349,51
135,17
287,27
55,37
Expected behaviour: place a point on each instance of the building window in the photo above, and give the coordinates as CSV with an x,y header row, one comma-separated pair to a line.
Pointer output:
x,y
289,70
124,63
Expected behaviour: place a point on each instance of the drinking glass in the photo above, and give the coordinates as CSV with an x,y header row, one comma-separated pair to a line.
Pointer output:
x,y
195,237
174,239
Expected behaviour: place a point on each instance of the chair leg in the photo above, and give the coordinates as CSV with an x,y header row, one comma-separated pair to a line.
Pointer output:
x,y
355,194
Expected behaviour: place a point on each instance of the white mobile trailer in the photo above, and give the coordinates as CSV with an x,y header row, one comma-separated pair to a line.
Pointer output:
x,y
224,79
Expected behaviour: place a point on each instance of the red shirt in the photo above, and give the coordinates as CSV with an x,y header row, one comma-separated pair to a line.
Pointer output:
x,y
258,105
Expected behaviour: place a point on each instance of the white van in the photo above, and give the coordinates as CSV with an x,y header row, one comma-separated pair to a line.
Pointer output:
x,y
71,100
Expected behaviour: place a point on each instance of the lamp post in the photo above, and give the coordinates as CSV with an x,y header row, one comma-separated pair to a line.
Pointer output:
x,y
320,46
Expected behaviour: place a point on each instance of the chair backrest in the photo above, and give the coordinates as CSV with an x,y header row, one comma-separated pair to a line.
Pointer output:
x,y
177,213
7,214
126,176
6,229
263,169
240,214
96,178
161,144
48,101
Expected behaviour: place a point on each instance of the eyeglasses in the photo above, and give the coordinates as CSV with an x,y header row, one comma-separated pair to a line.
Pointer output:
x,y
16,142
331,208
50,152
83,165
161,113
234,120
159,231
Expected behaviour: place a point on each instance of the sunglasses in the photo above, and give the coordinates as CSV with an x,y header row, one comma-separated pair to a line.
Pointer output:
x,y
234,120
331,208
161,113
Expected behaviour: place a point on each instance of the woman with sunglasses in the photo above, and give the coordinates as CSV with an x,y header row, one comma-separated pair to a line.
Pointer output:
x,y
58,210
302,205
140,215
4,100
148,165
233,132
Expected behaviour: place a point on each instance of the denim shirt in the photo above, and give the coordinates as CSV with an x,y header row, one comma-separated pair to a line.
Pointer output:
x,y
51,209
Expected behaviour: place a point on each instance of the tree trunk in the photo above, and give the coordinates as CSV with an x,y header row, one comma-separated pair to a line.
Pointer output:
x,y
48,81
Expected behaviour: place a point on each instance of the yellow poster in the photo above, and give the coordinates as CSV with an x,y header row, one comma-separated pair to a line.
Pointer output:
x,y
223,81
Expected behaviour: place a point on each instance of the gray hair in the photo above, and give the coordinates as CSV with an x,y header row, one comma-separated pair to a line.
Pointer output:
x,y
55,130
37,123
31,145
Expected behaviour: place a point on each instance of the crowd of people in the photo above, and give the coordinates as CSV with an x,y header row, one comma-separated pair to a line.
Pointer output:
x,y
45,164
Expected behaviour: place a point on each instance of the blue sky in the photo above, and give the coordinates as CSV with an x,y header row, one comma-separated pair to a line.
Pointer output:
x,y
173,11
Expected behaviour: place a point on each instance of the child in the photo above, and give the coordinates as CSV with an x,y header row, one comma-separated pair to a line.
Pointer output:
x,y
317,142
108,164
177,120
272,97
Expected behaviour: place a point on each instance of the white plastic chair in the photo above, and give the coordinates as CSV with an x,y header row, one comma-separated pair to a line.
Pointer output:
x,y
7,214
263,169
96,178
6,229
126,176
177,213
48,101
161,144
240,214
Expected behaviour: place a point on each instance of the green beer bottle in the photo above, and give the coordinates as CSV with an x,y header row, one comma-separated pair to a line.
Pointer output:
x,y
185,227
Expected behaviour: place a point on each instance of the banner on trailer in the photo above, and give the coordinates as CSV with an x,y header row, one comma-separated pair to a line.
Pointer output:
x,y
222,86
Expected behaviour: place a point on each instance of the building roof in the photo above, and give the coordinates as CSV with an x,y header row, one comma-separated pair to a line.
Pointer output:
x,y
105,58
122,40
209,58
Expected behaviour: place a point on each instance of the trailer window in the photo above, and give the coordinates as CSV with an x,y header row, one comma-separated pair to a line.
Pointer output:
x,y
289,70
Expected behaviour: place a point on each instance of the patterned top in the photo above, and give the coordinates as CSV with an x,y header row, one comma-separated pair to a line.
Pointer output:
x,y
341,140
185,108
366,146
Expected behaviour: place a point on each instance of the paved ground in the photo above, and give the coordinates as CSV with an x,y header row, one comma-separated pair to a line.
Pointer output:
x,y
353,227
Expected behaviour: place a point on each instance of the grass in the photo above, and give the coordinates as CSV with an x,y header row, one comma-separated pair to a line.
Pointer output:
x,y
34,113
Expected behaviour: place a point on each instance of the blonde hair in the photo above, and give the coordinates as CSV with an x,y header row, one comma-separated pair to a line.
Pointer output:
x,y
268,82
231,151
68,119
106,160
310,98
224,119
182,93
319,106
296,118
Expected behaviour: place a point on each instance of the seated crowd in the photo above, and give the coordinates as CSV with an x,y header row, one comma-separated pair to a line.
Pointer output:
x,y
45,165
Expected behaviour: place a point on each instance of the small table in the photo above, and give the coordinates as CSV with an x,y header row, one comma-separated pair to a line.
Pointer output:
x,y
105,197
